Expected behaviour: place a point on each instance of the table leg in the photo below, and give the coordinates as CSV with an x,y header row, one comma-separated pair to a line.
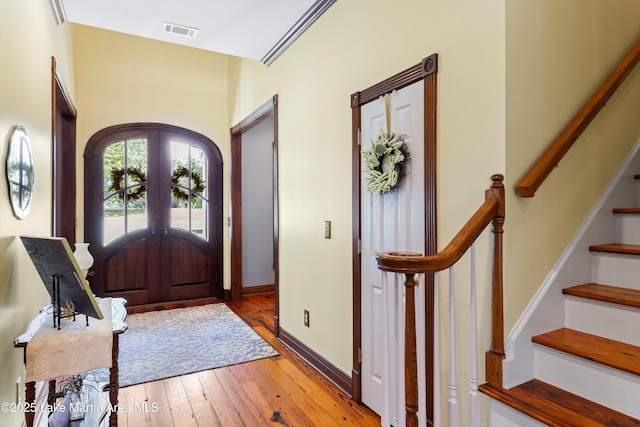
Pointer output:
x,y
51,400
113,382
30,398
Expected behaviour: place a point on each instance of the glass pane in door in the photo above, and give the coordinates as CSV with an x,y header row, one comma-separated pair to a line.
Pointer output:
x,y
124,188
189,204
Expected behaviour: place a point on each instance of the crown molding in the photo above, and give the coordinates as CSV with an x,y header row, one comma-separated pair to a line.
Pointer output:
x,y
59,15
310,16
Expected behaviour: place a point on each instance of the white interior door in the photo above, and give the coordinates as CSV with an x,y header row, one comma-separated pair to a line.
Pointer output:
x,y
394,221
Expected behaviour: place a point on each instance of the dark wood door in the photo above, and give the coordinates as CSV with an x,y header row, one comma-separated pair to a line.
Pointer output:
x,y
153,213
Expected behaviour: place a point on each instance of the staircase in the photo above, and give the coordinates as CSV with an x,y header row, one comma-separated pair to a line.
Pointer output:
x,y
588,372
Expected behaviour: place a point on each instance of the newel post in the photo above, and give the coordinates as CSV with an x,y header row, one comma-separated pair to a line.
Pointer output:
x,y
496,354
410,357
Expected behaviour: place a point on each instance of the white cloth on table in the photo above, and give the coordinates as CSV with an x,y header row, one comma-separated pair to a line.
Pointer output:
x,y
74,349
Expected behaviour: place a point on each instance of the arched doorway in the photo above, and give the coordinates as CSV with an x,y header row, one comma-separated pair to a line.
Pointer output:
x,y
153,213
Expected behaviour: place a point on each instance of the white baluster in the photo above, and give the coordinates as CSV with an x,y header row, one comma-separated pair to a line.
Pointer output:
x,y
386,379
437,369
400,362
474,397
454,410
421,351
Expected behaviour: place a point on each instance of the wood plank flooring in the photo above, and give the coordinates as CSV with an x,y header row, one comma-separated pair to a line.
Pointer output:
x,y
277,391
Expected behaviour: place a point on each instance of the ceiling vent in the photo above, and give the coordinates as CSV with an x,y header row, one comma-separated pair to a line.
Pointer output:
x,y
180,30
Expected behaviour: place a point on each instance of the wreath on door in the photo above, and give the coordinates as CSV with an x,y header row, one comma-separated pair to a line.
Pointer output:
x,y
393,149
135,176
178,192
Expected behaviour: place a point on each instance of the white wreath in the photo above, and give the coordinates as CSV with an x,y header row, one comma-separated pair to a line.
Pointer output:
x,y
394,148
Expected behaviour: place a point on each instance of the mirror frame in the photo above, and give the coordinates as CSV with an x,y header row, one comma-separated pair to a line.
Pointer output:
x,y
20,172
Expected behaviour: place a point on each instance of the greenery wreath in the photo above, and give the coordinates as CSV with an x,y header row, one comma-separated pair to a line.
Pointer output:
x,y
395,150
177,191
136,175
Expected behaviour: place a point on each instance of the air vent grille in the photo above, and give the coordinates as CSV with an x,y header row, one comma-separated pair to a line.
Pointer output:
x,y
180,30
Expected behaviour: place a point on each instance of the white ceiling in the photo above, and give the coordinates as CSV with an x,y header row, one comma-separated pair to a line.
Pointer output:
x,y
245,28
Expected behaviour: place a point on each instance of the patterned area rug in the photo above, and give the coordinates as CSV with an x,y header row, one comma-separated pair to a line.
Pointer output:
x,y
168,343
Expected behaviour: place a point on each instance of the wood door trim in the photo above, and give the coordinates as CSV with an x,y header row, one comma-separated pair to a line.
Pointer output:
x,y
267,110
63,146
427,71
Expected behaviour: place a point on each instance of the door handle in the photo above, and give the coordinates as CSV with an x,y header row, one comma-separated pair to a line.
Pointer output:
x,y
165,233
153,235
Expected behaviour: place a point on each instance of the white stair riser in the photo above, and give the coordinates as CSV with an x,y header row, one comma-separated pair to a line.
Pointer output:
x,y
610,387
505,416
615,270
627,229
612,321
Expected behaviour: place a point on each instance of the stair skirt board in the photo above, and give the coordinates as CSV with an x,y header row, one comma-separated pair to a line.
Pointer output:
x,y
540,314
505,416
609,387
615,270
587,315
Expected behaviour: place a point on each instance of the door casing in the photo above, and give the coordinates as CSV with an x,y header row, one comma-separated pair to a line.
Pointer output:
x,y
63,158
427,71
266,111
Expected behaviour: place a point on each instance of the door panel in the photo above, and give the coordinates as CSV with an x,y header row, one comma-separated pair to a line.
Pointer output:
x,y
127,271
155,197
394,221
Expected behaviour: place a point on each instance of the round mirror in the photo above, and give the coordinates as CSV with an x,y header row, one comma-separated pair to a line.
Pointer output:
x,y
20,172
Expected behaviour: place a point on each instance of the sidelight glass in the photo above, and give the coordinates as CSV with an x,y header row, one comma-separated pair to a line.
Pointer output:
x,y
124,188
189,200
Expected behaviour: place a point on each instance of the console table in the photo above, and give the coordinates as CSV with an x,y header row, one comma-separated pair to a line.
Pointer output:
x,y
118,316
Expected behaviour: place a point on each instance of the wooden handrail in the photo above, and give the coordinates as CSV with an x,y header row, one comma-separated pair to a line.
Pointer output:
x,y
549,159
492,211
410,263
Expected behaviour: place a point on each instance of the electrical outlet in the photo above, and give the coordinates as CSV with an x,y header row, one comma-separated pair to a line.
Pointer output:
x,y
306,318
327,229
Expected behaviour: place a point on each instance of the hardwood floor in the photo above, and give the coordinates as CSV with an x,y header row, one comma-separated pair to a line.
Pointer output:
x,y
277,391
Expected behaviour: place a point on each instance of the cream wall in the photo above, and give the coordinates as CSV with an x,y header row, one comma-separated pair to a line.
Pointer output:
x,y
511,74
25,99
558,54
128,79
353,46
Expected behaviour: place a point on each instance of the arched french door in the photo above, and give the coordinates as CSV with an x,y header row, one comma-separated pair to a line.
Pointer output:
x,y
153,213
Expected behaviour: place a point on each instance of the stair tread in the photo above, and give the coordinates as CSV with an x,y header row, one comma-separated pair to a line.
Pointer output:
x,y
556,407
617,248
626,211
612,294
615,354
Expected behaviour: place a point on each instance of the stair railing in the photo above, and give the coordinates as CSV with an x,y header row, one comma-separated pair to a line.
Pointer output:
x,y
413,266
534,178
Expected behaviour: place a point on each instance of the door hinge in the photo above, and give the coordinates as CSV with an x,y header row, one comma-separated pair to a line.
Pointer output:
x,y
359,246
229,221
359,355
359,134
